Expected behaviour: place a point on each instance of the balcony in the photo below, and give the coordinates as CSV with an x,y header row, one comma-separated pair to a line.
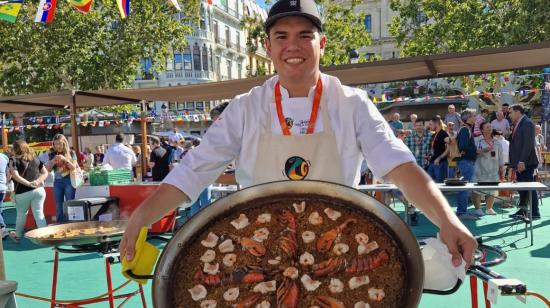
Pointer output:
x,y
189,75
221,41
229,12
201,33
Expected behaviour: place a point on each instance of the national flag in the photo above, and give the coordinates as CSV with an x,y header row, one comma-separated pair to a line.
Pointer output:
x,y
10,9
176,4
195,117
100,123
46,11
124,8
50,126
83,6
374,100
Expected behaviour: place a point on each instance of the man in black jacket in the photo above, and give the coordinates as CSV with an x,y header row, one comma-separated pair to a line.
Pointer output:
x,y
523,158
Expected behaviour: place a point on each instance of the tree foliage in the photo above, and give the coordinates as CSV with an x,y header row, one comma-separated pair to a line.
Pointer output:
x,y
427,27
98,50
343,27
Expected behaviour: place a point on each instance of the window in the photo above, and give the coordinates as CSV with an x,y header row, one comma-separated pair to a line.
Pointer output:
x,y
238,40
196,57
368,23
227,35
187,59
229,65
190,105
239,70
181,106
171,106
211,60
216,31
178,60
204,58
218,64
199,105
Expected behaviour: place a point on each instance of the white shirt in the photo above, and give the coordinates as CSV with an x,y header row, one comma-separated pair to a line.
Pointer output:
x,y
505,149
502,126
360,129
120,156
174,137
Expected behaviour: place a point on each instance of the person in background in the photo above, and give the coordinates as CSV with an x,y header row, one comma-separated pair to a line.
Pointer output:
x,y
88,162
396,123
488,167
523,158
501,124
62,162
411,125
506,113
137,165
217,111
175,136
480,118
453,116
466,163
179,153
98,155
451,130
119,155
505,144
419,144
4,179
437,167
540,145
28,174
160,161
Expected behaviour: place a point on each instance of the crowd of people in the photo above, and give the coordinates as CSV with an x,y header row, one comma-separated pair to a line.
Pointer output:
x,y
477,147
23,173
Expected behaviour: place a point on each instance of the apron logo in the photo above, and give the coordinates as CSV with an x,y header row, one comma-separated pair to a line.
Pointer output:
x,y
296,168
289,122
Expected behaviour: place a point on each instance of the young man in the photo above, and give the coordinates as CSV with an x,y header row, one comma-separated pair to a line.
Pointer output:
x,y
256,130
466,162
438,152
159,161
119,155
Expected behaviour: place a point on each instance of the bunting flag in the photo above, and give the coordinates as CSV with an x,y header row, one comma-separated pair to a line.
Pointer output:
x,y
374,100
46,11
101,123
124,8
9,10
195,117
176,4
83,6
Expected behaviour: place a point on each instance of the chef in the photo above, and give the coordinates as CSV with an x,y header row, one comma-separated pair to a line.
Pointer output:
x,y
300,125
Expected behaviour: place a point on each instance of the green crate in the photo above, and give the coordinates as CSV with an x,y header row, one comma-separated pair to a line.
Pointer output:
x,y
110,177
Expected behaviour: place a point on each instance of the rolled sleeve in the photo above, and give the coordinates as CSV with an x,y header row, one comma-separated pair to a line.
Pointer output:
x,y
382,150
221,144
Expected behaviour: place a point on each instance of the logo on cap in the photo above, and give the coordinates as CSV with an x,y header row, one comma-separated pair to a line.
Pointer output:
x,y
293,3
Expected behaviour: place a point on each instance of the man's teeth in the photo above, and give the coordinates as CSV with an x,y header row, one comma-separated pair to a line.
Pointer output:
x,y
294,60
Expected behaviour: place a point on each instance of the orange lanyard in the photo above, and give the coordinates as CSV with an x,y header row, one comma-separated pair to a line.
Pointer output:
x,y
314,109
433,140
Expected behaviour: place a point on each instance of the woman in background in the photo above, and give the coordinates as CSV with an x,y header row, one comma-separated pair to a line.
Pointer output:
x,y
62,162
28,174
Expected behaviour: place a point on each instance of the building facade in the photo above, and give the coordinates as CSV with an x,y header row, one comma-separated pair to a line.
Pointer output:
x,y
216,51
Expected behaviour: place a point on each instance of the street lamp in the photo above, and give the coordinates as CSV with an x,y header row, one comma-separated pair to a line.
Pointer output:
x,y
353,56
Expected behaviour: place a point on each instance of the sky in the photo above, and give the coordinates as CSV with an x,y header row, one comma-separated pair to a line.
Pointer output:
x,y
262,3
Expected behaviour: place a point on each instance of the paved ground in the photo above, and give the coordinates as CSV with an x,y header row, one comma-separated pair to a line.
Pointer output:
x,y
83,275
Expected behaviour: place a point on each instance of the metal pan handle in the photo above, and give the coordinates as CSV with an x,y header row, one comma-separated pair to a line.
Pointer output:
x,y
135,276
445,292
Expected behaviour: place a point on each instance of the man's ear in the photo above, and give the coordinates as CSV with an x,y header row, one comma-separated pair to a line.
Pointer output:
x,y
323,43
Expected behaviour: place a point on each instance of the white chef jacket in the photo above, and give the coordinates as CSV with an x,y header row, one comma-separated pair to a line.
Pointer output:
x,y
360,130
120,156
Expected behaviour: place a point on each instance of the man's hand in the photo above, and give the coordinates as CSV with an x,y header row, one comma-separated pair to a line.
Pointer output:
x,y
128,243
459,241
521,166
436,162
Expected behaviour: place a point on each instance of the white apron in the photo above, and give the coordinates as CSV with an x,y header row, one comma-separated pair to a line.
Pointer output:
x,y
311,156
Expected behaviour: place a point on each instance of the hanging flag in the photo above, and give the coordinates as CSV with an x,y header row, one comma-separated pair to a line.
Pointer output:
x,y
210,2
101,123
50,126
83,6
106,123
176,4
46,11
124,8
10,9
374,100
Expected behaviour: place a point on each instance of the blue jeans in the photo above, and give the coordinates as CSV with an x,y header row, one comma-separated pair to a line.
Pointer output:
x,y
466,169
62,191
438,172
202,202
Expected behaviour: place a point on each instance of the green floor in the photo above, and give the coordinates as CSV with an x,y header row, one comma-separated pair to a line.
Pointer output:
x,y
83,275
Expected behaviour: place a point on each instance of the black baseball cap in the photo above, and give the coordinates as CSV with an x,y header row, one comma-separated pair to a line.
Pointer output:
x,y
285,8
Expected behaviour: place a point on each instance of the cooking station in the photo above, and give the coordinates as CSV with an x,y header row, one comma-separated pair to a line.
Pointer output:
x,y
85,237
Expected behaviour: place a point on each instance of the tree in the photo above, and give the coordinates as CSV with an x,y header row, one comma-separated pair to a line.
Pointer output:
x,y
98,50
344,28
427,27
